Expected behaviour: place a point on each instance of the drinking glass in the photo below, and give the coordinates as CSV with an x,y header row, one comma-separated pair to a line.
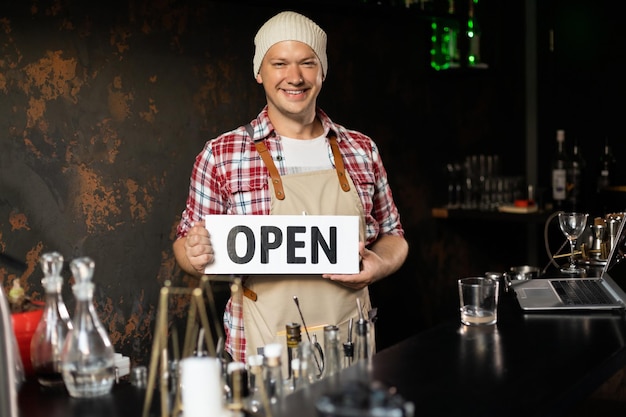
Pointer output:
x,y
572,225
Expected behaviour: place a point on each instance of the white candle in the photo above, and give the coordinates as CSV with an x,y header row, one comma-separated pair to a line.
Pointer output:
x,y
201,387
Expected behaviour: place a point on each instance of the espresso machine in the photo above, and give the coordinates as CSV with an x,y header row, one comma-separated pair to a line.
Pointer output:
x,y
597,241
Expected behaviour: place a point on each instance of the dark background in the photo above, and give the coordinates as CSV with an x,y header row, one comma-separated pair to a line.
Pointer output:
x,y
104,106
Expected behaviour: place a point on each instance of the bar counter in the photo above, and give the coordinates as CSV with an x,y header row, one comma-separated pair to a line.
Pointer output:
x,y
526,365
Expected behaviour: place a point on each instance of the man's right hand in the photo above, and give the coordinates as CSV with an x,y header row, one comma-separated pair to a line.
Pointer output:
x,y
197,249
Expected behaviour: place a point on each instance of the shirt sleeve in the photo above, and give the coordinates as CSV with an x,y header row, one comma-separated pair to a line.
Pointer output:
x,y
204,192
384,209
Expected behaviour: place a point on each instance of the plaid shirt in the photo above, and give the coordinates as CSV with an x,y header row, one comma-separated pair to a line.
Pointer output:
x,y
229,177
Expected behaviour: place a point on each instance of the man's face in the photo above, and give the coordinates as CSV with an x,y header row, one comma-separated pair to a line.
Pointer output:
x,y
292,77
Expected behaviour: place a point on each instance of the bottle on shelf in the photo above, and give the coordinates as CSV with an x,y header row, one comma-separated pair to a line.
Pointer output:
x,y
445,52
576,180
605,178
560,164
88,357
606,167
473,36
47,342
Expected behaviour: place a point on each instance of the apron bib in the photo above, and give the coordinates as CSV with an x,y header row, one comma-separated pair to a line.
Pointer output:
x,y
322,301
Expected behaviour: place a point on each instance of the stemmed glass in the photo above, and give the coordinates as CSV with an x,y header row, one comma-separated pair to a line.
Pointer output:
x,y
572,225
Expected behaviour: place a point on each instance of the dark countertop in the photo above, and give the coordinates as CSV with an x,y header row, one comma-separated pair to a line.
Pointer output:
x,y
526,365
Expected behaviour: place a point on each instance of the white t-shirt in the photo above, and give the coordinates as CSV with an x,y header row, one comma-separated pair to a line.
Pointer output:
x,y
302,155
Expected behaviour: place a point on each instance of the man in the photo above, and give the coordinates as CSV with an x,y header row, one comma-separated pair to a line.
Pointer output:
x,y
292,159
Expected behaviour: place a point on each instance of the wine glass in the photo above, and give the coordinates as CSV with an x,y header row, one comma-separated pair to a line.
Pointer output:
x,y
572,225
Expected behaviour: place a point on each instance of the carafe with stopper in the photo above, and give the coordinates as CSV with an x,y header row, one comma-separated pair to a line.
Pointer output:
x,y
88,358
47,342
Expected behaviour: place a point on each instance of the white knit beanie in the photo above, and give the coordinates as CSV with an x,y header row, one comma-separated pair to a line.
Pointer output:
x,y
289,26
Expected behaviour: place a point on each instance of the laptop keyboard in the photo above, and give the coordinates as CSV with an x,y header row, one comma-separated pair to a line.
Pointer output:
x,y
581,292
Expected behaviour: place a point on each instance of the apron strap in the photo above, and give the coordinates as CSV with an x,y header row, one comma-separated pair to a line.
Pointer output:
x,y
341,171
271,167
274,174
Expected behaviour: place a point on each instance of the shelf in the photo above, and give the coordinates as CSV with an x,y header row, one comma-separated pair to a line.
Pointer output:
x,y
538,217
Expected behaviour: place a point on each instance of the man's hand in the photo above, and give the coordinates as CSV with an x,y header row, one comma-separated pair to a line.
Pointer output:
x,y
194,252
384,258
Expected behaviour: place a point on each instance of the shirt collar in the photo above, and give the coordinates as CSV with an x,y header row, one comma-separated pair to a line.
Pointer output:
x,y
263,127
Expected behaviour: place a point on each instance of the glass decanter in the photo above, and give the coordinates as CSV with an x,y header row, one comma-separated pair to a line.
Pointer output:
x,y
88,358
47,342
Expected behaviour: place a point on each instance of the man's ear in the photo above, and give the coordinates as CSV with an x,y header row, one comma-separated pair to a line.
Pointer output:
x,y
259,79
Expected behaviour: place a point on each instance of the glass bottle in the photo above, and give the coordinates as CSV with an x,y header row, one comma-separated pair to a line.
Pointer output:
x,y
308,368
444,51
258,396
559,171
607,164
273,373
294,337
238,394
348,347
88,356
364,346
47,342
576,175
332,351
473,36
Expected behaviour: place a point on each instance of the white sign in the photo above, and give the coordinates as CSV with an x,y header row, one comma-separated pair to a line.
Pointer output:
x,y
283,244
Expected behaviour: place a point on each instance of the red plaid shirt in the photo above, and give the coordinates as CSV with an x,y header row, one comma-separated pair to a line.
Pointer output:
x,y
229,177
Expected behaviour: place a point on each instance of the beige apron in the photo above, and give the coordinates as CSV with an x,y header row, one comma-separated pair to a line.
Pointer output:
x,y
322,301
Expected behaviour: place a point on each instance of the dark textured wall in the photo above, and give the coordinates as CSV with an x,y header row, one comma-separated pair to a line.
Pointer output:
x,y
104,105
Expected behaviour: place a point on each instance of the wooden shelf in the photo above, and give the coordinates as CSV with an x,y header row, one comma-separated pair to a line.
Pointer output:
x,y
538,217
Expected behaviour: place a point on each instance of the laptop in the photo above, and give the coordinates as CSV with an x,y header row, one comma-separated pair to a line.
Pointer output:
x,y
606,292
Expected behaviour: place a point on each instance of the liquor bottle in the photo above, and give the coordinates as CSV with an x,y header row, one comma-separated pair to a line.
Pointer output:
x,y
294,337
473,36
55,324
238,394
606,167
273,378
559,171
88,358
575,180
257,400
445,52
348,347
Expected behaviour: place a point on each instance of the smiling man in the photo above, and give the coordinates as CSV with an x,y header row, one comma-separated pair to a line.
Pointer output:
x,y
292,160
